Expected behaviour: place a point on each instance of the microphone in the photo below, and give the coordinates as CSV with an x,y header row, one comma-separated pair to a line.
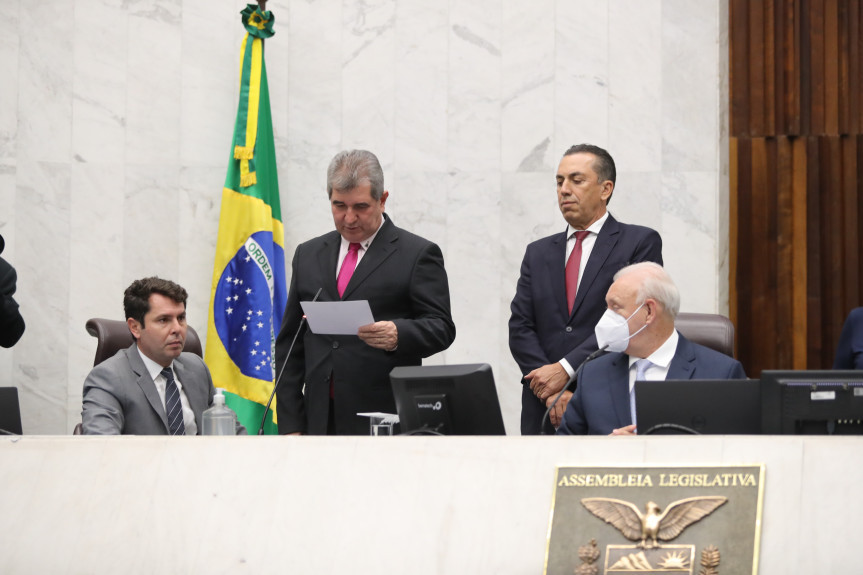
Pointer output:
x,y
580,367
284,364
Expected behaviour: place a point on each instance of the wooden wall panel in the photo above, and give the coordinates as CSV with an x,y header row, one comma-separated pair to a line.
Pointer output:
x,y
756,91
739,66
784,210
800,321
796,179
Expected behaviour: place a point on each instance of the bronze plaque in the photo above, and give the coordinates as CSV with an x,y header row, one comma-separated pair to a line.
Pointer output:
x,y
655,520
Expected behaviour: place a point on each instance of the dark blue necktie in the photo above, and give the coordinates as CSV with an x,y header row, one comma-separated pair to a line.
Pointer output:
x,y
173,406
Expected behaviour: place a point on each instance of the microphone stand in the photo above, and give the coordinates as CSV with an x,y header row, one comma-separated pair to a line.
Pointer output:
x,y
566,387
284,364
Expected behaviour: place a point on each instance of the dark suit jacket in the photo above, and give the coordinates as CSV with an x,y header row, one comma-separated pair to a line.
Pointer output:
x,y
849,352
11,322
121,398
541,331
402,276
600,403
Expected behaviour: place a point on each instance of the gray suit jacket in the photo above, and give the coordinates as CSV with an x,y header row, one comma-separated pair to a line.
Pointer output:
x,y
121,398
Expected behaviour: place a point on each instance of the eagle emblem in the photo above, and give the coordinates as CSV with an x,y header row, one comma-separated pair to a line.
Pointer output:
x,y
653,525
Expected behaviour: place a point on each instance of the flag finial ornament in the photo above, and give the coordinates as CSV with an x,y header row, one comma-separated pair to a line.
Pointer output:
x,y
258,24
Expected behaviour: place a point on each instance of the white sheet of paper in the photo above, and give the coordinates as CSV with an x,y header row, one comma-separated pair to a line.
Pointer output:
x,y
337,317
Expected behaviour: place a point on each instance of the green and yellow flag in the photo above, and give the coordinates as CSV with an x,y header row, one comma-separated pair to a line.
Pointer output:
x,y
248,294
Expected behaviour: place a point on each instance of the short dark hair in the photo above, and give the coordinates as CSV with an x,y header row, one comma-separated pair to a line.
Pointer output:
x,y
350,168
604,164
136,299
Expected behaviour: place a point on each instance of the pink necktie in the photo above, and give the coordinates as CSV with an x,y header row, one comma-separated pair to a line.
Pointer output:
x,y
572,266
348,267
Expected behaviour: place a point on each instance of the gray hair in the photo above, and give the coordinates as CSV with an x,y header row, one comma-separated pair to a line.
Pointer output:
x,y
657,284
351,168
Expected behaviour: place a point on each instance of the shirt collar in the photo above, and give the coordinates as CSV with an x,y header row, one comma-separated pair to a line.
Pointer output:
x,y
664,353
592,228
153,368
364,245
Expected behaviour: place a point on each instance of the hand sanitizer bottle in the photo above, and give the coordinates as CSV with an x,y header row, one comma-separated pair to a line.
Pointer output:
x,y
219,419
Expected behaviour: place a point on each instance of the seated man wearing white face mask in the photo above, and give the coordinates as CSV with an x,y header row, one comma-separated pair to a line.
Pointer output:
x,y
638,328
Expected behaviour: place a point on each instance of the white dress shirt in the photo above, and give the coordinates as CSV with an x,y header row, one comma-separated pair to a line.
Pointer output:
x,y
155,371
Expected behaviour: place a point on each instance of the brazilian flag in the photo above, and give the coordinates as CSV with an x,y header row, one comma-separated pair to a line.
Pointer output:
x,y
248,294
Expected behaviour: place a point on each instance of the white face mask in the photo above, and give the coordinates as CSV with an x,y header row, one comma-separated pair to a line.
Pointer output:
x,y
613,330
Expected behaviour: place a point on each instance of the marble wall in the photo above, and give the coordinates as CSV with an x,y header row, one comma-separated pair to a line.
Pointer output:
x,y
116,118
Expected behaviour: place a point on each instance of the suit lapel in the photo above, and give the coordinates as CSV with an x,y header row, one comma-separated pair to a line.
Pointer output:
x,y
683,364
145,382
555,263
384,245
618,387
328,259
605,242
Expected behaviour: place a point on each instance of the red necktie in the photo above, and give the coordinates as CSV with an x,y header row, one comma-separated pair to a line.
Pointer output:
x,y
348,267
572,266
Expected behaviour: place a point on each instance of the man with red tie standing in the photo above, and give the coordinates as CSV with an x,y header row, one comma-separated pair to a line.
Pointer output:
x,y
328,379
560,294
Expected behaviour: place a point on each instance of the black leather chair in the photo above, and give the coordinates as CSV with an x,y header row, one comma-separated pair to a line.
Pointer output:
x,y
710,330
112,335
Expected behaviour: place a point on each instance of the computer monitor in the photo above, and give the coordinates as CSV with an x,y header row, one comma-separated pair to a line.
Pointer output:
x,y
447,400
720,406
822,402
10,411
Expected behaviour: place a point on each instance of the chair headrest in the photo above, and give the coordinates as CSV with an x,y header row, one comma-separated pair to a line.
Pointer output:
x,y
113,335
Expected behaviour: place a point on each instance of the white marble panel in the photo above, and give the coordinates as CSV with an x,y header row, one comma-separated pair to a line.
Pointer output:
x,y
474,86
99,95
722,166
95,280
209,63
689,237
151,218
836,498
200,208
421,60
315,84
473,252
42,260
784,490
690,85
635,84
45,77
154,83
9,62
723,264
460,504
581,82
7,206
277,53
305,207
419,202
368,82
527,85
637,200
